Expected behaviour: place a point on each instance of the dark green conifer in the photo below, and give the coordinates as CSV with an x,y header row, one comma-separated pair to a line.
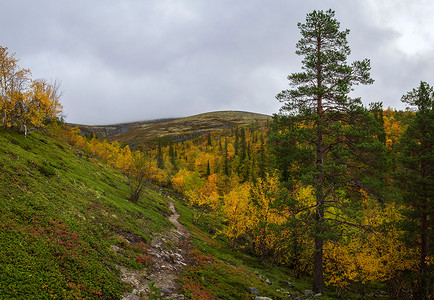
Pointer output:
x,y
325,125
417,182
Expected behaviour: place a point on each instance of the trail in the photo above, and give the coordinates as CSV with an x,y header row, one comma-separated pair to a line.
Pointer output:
x,y
169,253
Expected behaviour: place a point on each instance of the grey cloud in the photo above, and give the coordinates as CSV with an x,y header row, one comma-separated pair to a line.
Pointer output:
x,y
132,60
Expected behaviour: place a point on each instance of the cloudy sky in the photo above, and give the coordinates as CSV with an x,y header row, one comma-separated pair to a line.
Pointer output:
x,y
130,60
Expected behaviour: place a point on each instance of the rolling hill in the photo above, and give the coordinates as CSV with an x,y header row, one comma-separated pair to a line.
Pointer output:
x,y
136,133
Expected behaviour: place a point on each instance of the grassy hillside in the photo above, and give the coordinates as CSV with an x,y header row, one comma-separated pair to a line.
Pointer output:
x,y
66,229
179,129
61,213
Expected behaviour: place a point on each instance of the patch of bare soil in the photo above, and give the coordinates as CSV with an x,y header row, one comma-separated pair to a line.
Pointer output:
x,y
169,254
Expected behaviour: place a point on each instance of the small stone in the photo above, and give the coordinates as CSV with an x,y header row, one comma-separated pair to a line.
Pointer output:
x,y
253,291
267,281
262,298
308,293
317,295
166,291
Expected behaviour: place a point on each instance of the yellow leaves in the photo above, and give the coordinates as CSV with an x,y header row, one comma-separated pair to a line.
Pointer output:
x,y
370,255
375,257
25,102
264,193
44,100
210,192
339,265
393,128
236,212
178,180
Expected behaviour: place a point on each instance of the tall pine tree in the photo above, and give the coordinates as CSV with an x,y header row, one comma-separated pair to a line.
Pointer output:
x,y
417,182
327,128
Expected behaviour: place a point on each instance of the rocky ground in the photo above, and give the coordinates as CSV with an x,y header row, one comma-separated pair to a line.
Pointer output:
x,y
169,253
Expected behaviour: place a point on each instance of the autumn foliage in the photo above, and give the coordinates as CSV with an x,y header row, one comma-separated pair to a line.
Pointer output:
x,y
233,196
25,103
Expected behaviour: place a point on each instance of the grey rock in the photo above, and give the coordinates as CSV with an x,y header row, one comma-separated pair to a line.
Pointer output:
x,y
308,293
262,298
166,291
114,248
253,291
317,295
267,281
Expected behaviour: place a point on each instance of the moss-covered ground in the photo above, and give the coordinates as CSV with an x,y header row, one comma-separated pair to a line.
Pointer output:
x,y
61,213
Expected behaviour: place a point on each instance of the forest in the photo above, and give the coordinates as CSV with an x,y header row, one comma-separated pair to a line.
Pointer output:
x,y
328,187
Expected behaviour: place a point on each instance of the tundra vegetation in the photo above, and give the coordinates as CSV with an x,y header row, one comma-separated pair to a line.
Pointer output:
x,y
328,189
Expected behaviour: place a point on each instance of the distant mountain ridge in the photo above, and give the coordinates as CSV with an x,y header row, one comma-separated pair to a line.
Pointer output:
x,y
135,133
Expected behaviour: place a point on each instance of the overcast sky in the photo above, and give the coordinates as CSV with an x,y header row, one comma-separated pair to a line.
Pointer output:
x,y
130,60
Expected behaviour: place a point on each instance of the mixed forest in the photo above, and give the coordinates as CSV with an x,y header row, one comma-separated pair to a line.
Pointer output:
x,y
329,188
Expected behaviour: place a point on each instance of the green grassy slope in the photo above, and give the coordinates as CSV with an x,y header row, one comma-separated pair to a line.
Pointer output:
x,y
61,212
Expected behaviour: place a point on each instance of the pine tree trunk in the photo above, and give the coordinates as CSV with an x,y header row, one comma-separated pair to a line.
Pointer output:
x,y
318,268
423,257
422,291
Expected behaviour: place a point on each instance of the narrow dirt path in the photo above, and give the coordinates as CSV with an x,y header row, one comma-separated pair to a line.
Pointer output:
x,y
169,253
174,220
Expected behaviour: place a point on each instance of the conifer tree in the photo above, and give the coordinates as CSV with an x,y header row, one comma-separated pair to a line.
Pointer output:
x,y
226,159
172,155
236,144
209,140
326,125
243,145
262,159
417,182
160,159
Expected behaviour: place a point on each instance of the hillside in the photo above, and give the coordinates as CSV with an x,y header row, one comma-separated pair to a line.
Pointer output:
x,y
67,231
62,215
179,129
